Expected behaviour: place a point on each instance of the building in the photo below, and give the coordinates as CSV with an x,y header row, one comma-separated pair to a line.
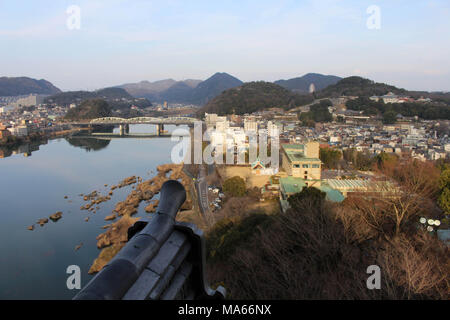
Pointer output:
x,y
19,131
391,98
346,186
302,161
212,118
6,109
4,133
291,185
273,129
31,100
302,165
259,168
222,126
250,125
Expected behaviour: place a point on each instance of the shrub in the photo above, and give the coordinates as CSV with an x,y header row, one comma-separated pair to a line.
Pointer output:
x,y
235,187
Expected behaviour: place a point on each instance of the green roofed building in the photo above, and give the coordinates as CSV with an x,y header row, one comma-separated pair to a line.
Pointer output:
x,y
302,161
292,185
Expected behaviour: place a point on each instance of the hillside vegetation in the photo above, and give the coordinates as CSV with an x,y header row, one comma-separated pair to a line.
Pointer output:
x,y
89,109
357,86
254,96
428,111
301,84
321,250
117,98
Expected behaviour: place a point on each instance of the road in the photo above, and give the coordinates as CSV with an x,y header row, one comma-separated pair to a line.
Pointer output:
x,y
202,193
307,105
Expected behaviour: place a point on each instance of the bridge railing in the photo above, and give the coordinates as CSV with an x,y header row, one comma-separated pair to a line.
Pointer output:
x,y
163,259
116,120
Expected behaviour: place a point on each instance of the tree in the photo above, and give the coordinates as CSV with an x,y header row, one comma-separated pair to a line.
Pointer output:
x,y
330,157
444,200
235,187
389,117
412,195
311,197
444,185
90,109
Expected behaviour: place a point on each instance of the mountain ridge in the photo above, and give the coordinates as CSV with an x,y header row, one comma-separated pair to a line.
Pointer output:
x,y
189,91
302,84
254,96
16,86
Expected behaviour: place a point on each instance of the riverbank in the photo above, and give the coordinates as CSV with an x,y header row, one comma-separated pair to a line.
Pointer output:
x,y
116,235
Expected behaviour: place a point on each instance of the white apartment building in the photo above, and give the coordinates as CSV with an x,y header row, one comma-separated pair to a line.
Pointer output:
x,y
250,125
273,129
31,100
222,126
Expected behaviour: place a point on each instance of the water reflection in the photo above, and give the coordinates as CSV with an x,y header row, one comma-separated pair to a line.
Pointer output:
x,y
88,144
26,149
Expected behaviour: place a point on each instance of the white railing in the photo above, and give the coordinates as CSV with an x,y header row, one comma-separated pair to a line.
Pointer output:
x,y
150,120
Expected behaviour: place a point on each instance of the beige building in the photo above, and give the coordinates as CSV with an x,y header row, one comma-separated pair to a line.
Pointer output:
x,y
302,161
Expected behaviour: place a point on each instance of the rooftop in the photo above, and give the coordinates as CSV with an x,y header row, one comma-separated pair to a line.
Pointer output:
x,y
295,152
354,185
293,185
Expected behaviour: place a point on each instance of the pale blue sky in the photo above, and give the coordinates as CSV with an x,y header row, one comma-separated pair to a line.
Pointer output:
x,y
132,40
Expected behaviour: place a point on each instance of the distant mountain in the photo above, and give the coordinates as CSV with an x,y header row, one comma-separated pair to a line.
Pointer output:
x,y
357,86
302,84
151,90
192,82
180,92
254,96
23,86
188,91
212,87
116,98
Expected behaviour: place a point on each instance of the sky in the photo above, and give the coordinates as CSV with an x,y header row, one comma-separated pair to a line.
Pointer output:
x,y
124,41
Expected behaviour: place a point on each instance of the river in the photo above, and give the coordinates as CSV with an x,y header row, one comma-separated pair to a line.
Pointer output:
x,y
33,263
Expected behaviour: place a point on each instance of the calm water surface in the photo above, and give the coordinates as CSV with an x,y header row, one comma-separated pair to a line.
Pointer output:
x,y
33,263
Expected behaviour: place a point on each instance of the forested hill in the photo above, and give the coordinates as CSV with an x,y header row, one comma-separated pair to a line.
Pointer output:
x,y
357,86
89,109
10,86
254,96
117,98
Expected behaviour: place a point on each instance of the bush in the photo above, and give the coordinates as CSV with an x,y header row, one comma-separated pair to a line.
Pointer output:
x,y
235,187
311,196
